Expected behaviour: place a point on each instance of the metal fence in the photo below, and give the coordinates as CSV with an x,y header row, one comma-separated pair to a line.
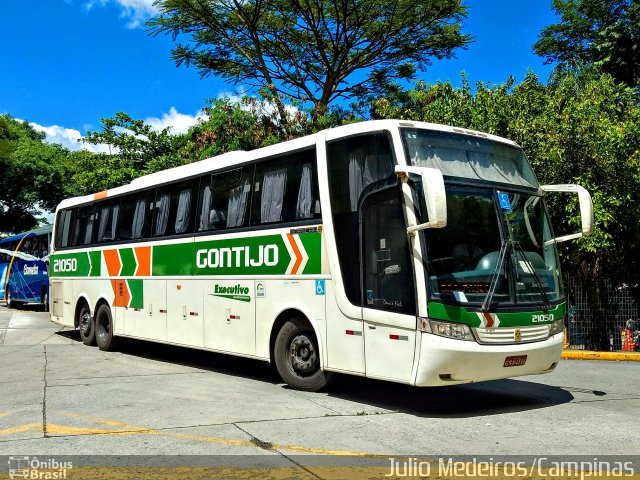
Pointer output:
x,y
602,317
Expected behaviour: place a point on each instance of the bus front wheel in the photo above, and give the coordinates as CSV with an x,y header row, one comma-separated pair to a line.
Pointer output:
x,y
86,325
297,356
11,303
44,299
8,300
104,329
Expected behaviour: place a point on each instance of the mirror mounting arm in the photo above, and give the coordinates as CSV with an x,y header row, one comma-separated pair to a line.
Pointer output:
x,y
434,195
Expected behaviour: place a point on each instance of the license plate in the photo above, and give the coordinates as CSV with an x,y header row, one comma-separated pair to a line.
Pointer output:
x,y
515,361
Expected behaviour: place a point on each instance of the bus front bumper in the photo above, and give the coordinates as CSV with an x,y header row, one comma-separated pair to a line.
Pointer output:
x,y
445,361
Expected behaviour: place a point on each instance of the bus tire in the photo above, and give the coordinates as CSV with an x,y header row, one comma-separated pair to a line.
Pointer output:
x,y
9,301
105,339
86,325
44,299
297,356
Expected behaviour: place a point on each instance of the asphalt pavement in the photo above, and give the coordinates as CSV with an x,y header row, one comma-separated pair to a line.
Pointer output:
x,y
59,397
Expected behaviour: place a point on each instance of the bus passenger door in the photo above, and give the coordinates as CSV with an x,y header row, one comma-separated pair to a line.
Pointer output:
x,y
388,287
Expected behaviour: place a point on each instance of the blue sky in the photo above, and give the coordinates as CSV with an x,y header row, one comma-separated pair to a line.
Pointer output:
x,y
64,64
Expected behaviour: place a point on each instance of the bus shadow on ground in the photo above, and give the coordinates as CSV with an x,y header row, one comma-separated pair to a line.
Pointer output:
x,y
455,401
26,307
193,358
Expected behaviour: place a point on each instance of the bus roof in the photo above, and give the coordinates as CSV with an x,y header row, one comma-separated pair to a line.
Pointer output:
x,y
240,157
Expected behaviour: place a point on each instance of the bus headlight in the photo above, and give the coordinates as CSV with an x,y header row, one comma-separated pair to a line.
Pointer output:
x,y
457,331
556,327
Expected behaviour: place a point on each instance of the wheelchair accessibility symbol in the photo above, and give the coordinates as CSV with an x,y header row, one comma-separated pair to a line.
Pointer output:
x,y
319,287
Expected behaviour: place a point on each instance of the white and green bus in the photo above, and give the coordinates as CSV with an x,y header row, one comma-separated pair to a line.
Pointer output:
x,y
403,251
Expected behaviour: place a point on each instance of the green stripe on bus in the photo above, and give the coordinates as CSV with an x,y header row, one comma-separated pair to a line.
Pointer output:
x,y
129,263
70,265
174,259
96,263
262,255
137,293
312,243
454,313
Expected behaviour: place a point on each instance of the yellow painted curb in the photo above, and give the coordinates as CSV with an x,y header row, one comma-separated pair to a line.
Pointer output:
x,y
589,355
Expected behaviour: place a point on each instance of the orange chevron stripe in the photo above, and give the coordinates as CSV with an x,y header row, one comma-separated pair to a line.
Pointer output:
x,y
122,297
297,253
112,259
143,256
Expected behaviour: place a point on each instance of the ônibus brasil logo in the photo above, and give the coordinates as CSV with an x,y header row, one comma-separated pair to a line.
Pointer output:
x,y
233,292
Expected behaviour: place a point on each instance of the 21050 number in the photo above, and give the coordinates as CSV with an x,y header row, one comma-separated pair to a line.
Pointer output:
x,y
65,265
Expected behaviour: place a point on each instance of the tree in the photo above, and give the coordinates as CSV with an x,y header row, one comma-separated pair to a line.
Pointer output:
x,y
311,50
134,141
605,33
580,128
31,175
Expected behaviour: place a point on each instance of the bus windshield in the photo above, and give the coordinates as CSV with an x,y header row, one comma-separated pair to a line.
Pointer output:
x,y
497,248
468,157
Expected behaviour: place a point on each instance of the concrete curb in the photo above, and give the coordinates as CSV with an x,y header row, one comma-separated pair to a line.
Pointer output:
x,y
589,355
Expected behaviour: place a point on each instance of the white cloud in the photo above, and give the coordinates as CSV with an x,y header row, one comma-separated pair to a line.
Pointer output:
x,y
72,139
135,11
68,138
179,122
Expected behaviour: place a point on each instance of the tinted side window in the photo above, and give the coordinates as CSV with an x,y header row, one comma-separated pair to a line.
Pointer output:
x,y
354,163
35,247
135,216
174,207
107,214
224,200
63,223
82,225
285,189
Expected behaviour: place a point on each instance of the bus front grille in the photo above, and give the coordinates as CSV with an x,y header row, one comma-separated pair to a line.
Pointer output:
x,y
512,335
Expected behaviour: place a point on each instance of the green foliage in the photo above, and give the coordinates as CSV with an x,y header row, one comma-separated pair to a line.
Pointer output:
x,y
244,125
311,51
581,128
135,149
134,141
601,33
31,175
89,172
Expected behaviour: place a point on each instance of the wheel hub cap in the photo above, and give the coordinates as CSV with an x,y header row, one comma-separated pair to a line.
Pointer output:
x,y
303,354
85,322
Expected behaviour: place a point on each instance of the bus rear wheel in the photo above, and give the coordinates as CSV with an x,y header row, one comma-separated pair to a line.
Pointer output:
x,y
104,329
86,325
297,356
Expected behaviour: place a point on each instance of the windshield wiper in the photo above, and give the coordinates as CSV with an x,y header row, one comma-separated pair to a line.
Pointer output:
x,y
545,299
505,248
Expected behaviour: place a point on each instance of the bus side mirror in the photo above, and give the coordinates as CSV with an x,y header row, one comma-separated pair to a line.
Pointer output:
x,y
435,197
586,208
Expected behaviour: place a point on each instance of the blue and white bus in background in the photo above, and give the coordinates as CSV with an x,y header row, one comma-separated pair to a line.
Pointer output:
x,y
24,268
